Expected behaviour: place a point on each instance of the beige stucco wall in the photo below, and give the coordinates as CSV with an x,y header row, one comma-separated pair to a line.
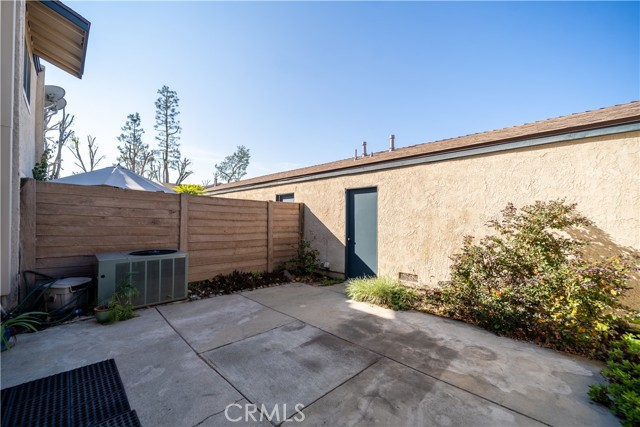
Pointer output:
x,y
21,134
7,67
424,211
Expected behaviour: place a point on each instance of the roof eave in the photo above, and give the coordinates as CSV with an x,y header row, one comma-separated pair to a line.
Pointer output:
x,y
58,34
543,137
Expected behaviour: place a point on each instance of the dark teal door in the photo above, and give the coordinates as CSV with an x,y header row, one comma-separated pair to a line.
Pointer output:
x,y
362,232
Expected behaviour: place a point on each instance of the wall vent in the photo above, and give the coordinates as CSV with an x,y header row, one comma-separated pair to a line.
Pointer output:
x,y
159,275
408,277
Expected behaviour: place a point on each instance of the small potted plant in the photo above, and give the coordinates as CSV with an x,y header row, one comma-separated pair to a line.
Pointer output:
x,y
101,312
8,326
120,306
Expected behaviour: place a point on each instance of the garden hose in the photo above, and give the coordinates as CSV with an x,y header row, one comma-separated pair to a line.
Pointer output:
x,y
31,303
24,306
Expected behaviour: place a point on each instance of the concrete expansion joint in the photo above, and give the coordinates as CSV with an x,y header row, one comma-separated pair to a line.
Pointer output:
x,y
347,380
214,414
382,356
204,359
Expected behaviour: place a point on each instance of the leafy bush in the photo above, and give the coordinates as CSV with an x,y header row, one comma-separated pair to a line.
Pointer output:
x,y
234,282
530,280
193,189
622,394
306,260
120,305
382,291
40,171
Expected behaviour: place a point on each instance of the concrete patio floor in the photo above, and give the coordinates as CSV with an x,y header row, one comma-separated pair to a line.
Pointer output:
x,y
330,360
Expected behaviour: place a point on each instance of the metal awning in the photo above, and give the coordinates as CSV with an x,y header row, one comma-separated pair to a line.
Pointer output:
x,y
58,34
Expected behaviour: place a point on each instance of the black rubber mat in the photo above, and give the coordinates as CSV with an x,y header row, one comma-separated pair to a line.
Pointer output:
x,y
85,396
128,419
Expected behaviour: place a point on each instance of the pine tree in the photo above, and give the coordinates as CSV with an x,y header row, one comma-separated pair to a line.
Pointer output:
x,y
134,154
234,167
168,127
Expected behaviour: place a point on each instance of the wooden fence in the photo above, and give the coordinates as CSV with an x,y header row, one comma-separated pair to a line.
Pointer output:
x,y
63,226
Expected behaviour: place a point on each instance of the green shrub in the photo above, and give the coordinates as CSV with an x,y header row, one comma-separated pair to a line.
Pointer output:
x,y
40,171
193,189
382,291
235,282
530,280
121,303
306,261
622,394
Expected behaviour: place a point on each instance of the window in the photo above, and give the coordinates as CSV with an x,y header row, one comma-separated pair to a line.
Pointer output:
x,y
284,197
26,75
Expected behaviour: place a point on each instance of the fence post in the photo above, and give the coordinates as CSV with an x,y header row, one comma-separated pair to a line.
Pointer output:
x,y
184,222
28,199
270,227
300,222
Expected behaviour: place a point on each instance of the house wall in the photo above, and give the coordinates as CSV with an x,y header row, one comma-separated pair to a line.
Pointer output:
x,y
22,137
7,206
424,211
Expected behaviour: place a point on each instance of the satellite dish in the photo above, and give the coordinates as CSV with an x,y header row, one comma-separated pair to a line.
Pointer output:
x,y
53,93
53,100
60,104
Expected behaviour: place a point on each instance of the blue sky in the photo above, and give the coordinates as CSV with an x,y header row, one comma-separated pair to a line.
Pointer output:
x,y
302,83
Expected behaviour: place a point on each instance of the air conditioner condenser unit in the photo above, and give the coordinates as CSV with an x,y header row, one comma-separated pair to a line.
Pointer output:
x,y
160,275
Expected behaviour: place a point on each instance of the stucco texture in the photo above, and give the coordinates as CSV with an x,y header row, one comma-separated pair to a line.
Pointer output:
x,y
424,211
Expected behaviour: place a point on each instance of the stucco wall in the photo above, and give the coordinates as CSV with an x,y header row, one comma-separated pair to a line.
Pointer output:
x,y
27,117
23,144
424,211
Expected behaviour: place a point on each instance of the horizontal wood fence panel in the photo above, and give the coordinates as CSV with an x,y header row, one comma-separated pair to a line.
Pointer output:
x,y
205,211
250,228
69,270
287,228
127,245
286,246
81,230
69,224
286,236
46,219
237,237
85,260
196,219
212,270
212,253
286,214
255,258
84,202
233,203
116,211
101,191
203,246
113,240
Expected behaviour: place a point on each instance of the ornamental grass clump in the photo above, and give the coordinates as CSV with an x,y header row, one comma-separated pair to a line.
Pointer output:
x,y
530,280
382,291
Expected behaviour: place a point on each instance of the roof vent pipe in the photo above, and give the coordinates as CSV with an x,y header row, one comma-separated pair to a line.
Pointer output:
x,y
355,156
364,149
392,142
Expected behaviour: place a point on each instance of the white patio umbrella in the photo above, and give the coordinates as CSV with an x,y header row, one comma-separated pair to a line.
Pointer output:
x,y
114,176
